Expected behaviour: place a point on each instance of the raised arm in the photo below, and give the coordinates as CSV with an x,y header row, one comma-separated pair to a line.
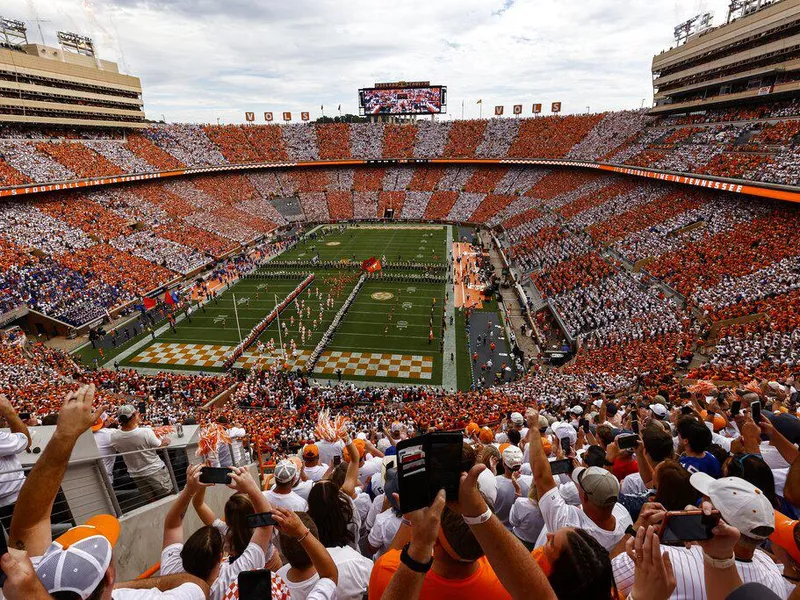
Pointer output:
x,y
164,583
513,564
243,482
351,478
290,524
15,424
202,509
173,522
786,448
542,474
30,525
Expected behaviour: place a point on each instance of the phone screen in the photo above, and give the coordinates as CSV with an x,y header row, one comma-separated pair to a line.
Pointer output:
x,y
635,426
260,520
686,410
337,460
755,411
215,475
692,527
255,585
561,467
736,406
565,445
445,457
626,442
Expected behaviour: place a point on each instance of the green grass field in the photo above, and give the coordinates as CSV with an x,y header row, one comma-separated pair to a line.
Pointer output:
x,y
398,242
366,328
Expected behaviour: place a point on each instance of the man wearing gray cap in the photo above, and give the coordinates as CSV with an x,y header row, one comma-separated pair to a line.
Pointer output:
x,y
146,469
599,514
286,475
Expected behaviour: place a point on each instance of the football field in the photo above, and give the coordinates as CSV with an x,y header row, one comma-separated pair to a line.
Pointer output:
x,y
385,336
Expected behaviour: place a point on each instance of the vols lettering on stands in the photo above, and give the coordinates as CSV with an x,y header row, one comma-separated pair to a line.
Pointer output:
x,y
537,108
250,117
518,109
287,116
305,116
555,107
268,116
498,110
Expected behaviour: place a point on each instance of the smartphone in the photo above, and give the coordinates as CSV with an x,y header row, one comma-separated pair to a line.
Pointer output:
x,y
736,407
687,526
626,442
755,411
565,445
255,585
635,426
337,460
142,408
426,464
215,475
24,416
584,424
260,520
561,467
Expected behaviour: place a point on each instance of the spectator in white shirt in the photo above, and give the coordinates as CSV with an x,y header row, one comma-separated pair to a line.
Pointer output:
x,y
146,469
599,514
313,468
11,475
301,576
282,494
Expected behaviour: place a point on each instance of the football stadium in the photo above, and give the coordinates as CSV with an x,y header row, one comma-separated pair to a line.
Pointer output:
x,y
397,350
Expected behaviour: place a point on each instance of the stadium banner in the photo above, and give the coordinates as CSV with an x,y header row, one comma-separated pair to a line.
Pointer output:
x,y
518,109
498,111
305,116
401,98
537,108
555,107
287,116
249,117
268,116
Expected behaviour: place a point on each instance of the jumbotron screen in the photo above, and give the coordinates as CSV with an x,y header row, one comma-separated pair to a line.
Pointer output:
x,y
417,100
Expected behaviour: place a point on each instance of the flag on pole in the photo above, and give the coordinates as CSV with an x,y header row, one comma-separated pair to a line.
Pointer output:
x,y
340,107
321,107
168,299
479,101
149,303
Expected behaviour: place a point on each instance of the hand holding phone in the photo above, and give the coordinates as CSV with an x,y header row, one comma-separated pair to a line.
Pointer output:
x,y
755,411
427,464
627,442
561,467
260,520
215,475
687,526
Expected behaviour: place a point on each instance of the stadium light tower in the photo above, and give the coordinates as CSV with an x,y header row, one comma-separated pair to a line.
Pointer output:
x,y
742,8
697,24
76,43
13,32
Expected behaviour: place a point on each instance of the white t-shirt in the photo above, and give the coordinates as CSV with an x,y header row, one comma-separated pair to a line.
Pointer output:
x,y
11,444
688,567
324,590
633,485
368,469
327,450
354,572
363,504
374,510
303,488
252,558
526,519
316,473
557,514
142,439
185,591
383,531
290,501
102,437
505,498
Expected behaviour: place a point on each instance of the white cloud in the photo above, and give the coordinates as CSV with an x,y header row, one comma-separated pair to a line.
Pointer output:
x,y
200,60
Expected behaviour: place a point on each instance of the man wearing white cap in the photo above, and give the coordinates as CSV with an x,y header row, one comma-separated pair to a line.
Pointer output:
x,y
741,505
282,494
506,490
659,411
600,514
518,423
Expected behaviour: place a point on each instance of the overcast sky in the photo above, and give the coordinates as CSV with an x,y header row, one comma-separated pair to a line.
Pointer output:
x,y
200,60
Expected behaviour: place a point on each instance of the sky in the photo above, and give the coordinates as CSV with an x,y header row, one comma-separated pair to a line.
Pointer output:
x,y
204,60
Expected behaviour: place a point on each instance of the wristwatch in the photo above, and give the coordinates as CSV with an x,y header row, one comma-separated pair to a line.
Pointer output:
x,y
631,531
412,564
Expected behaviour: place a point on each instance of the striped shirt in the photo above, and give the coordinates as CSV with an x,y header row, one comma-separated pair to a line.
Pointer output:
x,y
689,574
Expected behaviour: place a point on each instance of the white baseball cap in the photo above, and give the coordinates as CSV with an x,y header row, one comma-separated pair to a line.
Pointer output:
x,y
565,430
512,457
598,403
739,502
659,410
285,471
517,418
576,410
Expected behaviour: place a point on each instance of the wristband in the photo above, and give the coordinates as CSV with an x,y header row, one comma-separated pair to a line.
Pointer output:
x,y
305,535
480,519
631,531
717,563
412,564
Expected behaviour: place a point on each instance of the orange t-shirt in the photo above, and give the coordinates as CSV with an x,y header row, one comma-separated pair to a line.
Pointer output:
x,y
482,584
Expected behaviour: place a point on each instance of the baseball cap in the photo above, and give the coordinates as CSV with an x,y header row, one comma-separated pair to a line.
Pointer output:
x,y
512,457
383,444
543,422
126,412
598,403
517,418
396,426
360,445
600,486
739,502
784,535
77,560
576,410
285,471
565,430
659,410
310,451
486,435
98,425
